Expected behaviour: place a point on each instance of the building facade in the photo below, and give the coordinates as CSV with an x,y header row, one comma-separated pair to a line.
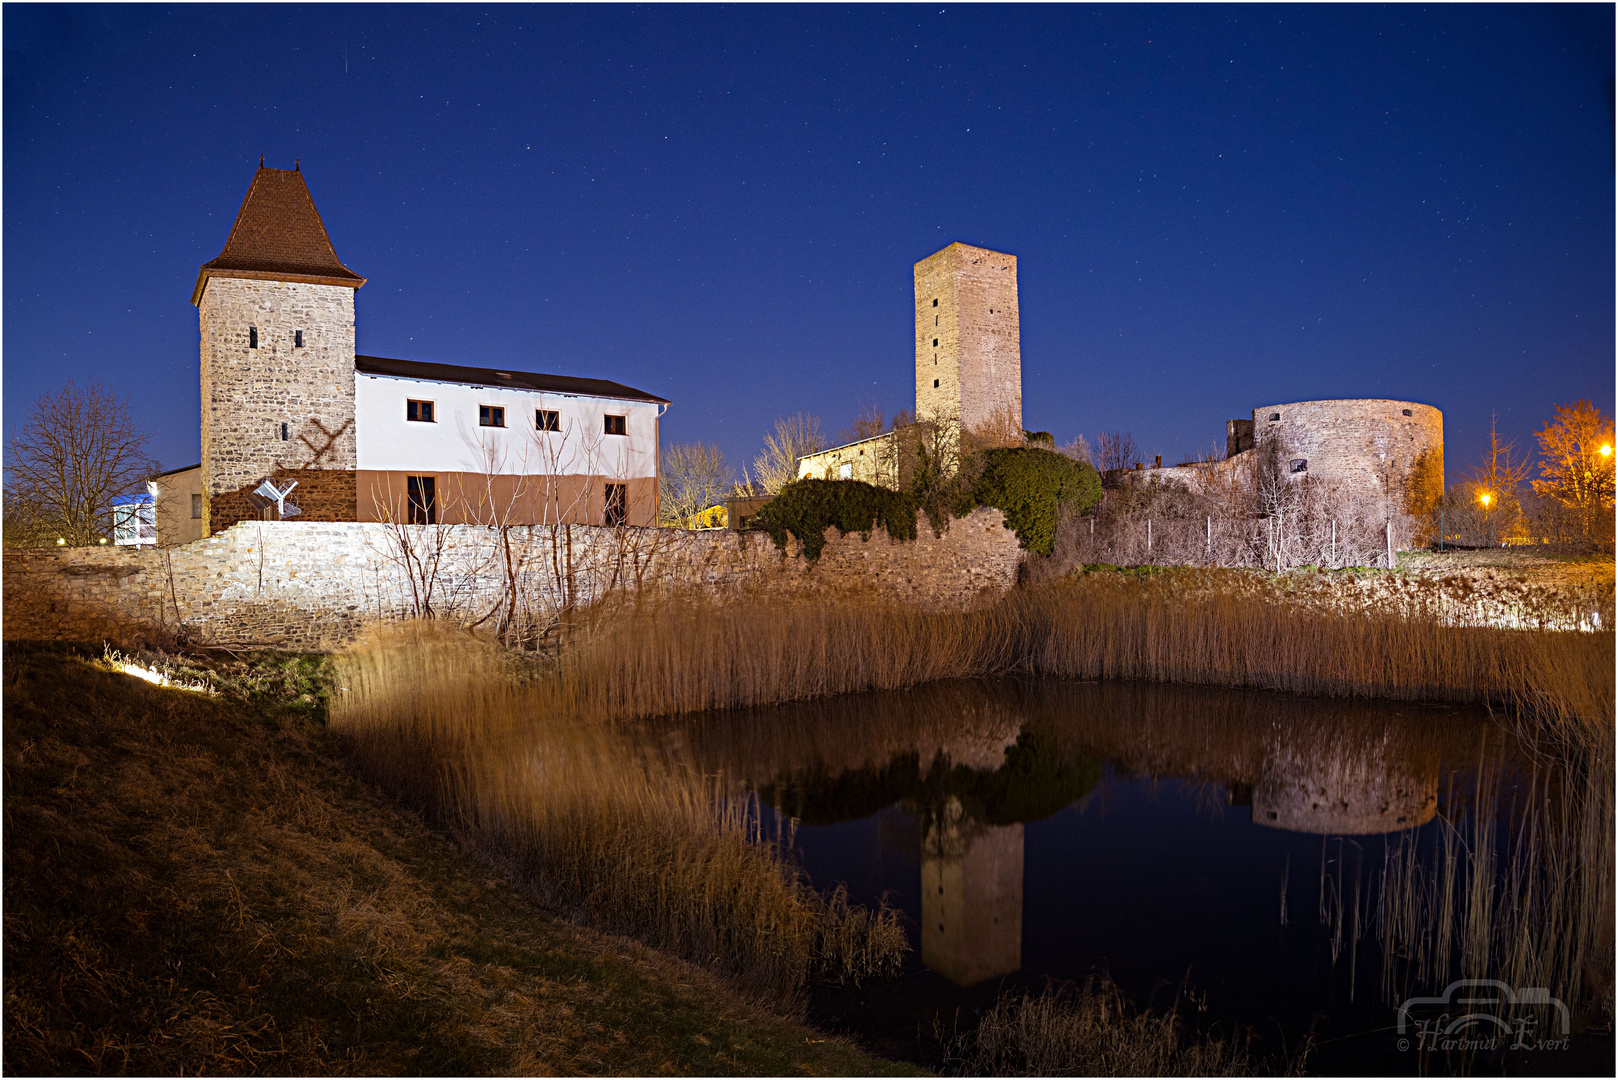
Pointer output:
x,y
286,399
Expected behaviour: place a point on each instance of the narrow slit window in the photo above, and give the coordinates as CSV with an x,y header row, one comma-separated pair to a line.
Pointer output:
x,y
935,384
423,497
935,343
491,416
935,302
617,508
283,432
547,420
297,339
419,411
252,337
615,425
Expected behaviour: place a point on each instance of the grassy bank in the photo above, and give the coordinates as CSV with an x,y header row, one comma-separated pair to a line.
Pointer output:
x,y
196,884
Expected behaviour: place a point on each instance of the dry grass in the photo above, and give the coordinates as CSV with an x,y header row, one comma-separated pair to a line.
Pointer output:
x,y
1092,1031
195,884
595,826
1524,896
652,659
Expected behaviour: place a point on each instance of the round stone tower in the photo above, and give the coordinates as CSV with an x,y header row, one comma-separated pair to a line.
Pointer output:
x,y
1392,451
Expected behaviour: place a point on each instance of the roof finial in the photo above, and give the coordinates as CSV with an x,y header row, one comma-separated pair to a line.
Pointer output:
x,y
261,161
295,165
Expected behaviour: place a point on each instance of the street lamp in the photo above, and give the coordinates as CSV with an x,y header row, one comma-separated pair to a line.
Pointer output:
x,y
1485,499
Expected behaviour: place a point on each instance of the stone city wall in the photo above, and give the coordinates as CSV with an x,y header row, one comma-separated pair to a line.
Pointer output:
x,y
315,585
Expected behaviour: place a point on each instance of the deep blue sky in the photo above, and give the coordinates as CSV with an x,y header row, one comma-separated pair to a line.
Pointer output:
x,y
1213,208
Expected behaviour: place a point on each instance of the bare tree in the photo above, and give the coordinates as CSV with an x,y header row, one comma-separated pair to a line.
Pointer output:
x,y
794,437
869,423
77,453
694,476
1116,450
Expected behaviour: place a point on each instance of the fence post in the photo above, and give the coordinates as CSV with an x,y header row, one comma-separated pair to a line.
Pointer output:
x,y
1334,541
1148,537
1210,536
1388,531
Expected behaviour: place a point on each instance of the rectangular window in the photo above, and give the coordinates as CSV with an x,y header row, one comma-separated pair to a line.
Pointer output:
x,y
845,471
423,500
616,426
419,410
935,303
547,420
491,416
935,343
617,510
1300,464
252,337
196,506
297,339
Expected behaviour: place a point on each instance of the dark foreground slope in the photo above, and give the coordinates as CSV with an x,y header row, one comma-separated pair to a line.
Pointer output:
x,y
195,884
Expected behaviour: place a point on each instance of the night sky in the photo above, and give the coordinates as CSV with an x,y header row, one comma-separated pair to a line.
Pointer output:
x,y
1213,208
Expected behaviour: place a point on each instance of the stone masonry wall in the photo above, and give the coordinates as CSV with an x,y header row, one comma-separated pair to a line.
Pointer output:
x,y
1362,446
977,358
315,585
249,393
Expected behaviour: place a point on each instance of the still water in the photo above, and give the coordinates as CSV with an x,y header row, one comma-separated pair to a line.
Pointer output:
x,y
1275,865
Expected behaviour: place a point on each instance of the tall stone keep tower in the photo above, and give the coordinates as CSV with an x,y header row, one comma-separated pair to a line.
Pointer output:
x,y
968,344
277,315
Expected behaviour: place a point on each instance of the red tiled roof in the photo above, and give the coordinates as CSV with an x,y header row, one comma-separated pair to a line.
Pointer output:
x,y
278,235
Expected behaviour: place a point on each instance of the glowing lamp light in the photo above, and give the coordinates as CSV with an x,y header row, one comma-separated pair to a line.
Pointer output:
x,y
1484,498
60,542
1606,450
103,539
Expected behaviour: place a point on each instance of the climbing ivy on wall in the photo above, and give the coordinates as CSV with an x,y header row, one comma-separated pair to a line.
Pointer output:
x,y
1029,485
1032,487
805,508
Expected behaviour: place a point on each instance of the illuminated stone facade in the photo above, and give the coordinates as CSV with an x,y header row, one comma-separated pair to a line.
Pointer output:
x,y
273,408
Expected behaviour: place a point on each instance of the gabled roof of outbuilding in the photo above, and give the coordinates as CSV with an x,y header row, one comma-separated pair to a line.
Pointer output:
x,y
510,380
278,235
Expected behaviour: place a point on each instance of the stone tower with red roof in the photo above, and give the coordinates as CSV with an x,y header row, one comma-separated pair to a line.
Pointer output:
x,y
277,316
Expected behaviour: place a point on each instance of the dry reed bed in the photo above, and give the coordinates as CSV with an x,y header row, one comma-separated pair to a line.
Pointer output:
x,y
650,659
618,838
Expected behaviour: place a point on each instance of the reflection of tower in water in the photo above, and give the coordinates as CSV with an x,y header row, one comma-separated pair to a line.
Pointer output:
x,y
971,896
1339,789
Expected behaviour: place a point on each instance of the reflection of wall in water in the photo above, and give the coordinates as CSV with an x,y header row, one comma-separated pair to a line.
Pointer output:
x,y
1345,791
971,897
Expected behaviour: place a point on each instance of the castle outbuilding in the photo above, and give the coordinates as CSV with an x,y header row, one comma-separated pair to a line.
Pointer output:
x,y
288,404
